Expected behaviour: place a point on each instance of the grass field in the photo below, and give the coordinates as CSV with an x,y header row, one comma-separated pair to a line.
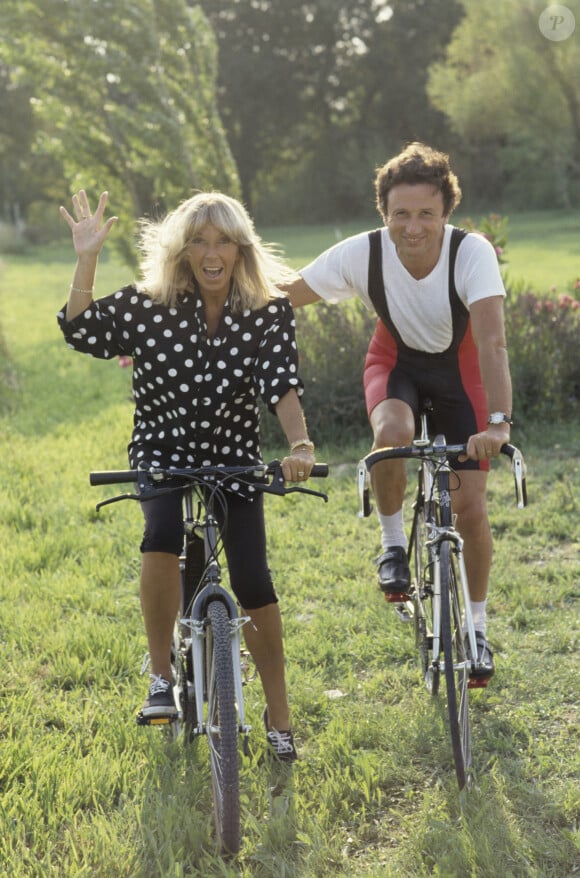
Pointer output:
x,y
85,793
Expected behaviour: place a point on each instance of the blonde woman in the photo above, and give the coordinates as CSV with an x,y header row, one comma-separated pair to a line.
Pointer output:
x,y
209,333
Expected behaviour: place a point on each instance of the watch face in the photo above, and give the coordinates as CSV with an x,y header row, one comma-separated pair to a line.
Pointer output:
x,y
498,418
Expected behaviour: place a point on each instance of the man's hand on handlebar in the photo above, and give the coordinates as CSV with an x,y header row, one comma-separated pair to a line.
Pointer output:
x,y
488,443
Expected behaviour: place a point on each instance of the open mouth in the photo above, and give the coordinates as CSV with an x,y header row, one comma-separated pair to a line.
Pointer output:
x,y
212,273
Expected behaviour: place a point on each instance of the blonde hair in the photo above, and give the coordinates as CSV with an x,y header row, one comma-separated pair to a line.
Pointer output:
x,y
164,267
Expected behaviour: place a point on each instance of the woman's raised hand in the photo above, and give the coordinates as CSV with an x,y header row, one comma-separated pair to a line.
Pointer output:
x,y
88,230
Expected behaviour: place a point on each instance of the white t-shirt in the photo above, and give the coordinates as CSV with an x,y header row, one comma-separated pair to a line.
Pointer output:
x,y
419,308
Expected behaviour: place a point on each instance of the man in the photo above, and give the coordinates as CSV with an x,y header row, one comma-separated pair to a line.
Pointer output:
x,y
439,296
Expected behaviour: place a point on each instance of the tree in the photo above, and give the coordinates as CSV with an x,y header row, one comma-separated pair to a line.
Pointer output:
x,y
314,94
123,93
513,97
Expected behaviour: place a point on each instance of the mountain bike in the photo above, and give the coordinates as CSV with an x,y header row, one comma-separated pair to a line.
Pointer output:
x,y
207,660
439,604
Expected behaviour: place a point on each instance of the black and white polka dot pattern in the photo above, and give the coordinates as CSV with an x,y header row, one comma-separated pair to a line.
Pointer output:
x,y
195,397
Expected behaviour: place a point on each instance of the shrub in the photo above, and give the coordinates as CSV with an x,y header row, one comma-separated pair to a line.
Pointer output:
x,y
332,343
11,239
494,228
542,334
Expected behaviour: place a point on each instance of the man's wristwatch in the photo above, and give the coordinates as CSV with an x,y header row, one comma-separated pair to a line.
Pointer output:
x,y
499,418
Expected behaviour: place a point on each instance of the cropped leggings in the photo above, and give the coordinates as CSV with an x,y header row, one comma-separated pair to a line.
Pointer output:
x,y
243,532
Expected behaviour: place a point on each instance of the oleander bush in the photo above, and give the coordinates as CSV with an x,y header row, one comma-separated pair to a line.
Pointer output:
x,y
543,333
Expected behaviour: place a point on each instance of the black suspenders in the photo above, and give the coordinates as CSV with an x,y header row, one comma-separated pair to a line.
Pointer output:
x,y
377,290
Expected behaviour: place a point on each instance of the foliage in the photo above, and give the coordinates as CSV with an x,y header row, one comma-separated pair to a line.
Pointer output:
x,y
494,228
543,333
333,343
314,96
123,93
8,382
542,337
84,791
513,98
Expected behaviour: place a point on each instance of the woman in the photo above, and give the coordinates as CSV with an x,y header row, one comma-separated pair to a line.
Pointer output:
x,y
208,332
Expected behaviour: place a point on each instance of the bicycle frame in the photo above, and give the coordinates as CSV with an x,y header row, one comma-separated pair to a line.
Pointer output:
x,y
429,493
195,618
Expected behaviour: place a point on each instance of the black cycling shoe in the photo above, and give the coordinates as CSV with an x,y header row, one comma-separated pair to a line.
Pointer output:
x,y
485,667
394,573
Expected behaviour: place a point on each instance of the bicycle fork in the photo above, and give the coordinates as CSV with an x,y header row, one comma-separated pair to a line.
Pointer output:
x,y
467,626
198,628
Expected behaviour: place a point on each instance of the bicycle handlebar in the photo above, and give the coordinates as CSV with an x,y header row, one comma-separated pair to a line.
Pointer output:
x,y
438,450
255,475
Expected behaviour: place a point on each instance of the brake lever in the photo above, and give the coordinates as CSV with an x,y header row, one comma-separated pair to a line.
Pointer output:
x,y
278,486
298,490
116,500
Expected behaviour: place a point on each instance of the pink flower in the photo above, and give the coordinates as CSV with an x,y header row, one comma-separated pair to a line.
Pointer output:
x,y
565,300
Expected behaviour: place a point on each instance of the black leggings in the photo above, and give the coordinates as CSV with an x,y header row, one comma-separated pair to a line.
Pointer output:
x,y
244,539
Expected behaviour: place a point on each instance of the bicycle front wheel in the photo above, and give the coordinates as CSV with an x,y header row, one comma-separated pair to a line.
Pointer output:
x,y
456,668
222,728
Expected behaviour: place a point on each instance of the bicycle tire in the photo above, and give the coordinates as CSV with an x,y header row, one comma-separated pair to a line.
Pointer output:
x,y
456,668
222,728
422,567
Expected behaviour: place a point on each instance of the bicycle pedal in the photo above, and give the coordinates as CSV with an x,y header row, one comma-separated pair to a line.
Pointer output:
x,y
396,597
404,613
154,720
478,682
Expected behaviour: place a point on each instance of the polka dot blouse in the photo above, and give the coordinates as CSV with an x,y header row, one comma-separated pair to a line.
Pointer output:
x,y
196,398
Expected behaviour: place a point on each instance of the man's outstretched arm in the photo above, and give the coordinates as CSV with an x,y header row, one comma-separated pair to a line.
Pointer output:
x,y
300,293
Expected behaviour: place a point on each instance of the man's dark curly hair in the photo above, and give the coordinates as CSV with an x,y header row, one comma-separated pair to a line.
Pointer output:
x,y
418,163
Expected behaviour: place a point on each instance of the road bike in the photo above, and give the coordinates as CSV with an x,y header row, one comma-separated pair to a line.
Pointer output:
x,y
207,659
438,604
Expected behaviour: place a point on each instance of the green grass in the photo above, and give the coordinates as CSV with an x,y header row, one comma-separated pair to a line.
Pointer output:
x,y
85,792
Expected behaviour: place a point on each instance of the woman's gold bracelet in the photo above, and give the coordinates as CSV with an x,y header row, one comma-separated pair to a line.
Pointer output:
x,y
302,443
78,290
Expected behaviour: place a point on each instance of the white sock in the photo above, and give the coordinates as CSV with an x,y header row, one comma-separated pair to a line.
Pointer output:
x,y
392,530
479,616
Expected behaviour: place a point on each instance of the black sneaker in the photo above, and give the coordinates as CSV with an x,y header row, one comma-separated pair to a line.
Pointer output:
x,y
160,701
394,573
281,743
484,668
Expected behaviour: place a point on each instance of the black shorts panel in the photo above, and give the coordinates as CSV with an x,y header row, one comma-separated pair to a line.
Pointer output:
x,y
243,531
